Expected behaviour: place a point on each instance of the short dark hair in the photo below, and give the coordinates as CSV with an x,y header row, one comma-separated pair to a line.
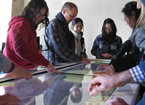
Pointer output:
x,y
68,5
34,7
129,7
76,20
113,31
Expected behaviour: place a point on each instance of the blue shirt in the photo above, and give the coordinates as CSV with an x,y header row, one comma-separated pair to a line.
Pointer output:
x,y
138,73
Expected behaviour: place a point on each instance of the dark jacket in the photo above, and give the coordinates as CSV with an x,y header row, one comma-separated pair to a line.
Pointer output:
x,y
135,44
100,46
59,42
82,40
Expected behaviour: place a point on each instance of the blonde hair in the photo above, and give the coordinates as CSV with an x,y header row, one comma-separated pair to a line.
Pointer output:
x,y
141,19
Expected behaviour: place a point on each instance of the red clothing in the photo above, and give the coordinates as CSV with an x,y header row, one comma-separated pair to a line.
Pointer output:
x,y
21,45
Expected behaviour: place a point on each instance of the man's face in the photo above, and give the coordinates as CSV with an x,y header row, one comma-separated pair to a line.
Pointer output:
x,y
69,15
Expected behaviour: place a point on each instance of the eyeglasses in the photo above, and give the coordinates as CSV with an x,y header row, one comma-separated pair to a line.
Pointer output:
x,y
108,29
125,19
39,14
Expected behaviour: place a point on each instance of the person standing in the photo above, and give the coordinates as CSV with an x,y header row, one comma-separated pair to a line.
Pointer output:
x,y
107,44
79,41
21,45
134,74
58,42
131,15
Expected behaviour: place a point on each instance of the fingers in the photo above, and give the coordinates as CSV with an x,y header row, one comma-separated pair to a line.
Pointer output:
x,y
29,76
52,70
108,56
57,72
93,91
86,61
94,87
9,98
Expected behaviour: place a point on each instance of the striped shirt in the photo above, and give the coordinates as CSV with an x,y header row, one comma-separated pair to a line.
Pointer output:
x,y
137,74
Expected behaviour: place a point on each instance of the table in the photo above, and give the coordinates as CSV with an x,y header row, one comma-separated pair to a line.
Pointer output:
x,y
69,88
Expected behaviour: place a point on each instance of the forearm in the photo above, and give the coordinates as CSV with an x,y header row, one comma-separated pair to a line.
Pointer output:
x,y
124,48
123,78
96,53
95,49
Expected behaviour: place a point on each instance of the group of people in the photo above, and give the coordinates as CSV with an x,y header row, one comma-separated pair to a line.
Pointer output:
x,y
108,45
21,52
134,70
67,45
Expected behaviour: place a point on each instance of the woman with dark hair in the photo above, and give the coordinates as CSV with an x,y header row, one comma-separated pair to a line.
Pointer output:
x,y
21,45
79,41
133,75
107,44
131,15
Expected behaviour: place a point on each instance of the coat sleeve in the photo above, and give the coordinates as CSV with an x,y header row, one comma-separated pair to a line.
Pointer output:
x,y
124,63
95,48
124,48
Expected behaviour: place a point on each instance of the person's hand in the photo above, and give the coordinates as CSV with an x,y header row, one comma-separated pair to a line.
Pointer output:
x,y
101,82
86,61
102,66
105,82
9,99
114,56
115,101
106,55
108,71
21,73
52,69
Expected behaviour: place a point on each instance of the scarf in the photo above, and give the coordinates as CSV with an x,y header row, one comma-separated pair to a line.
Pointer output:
x,y
65,29
77,42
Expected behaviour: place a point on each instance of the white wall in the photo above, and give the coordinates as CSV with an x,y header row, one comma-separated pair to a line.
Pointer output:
x,y
93,13
5,11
